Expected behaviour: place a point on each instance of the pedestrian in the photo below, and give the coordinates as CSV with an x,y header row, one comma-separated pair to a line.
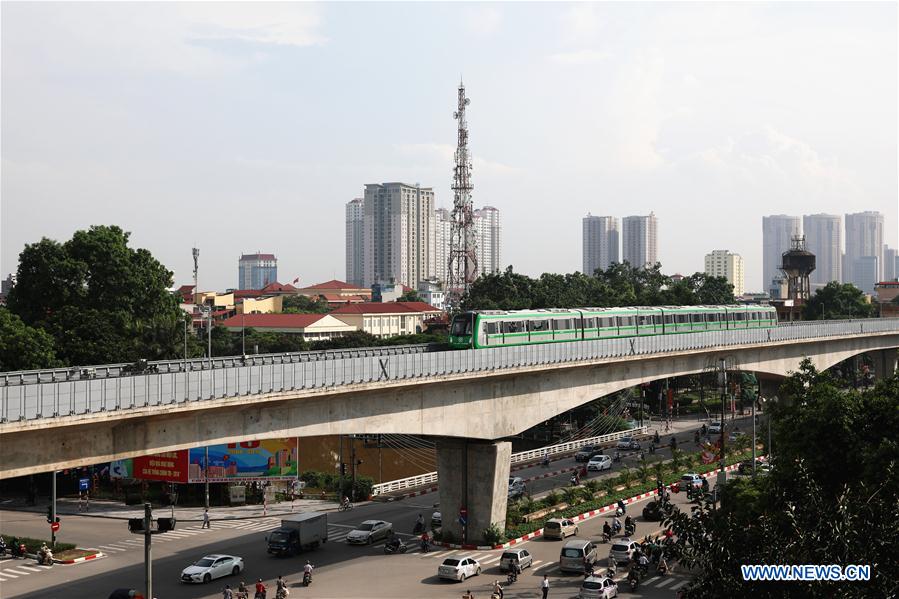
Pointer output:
x,y
544,586
205,519
227,593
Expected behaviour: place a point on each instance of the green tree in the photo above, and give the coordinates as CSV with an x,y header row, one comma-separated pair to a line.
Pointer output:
x,y
301,304
100,300
507,290
830,498
837,300
23,347
410,296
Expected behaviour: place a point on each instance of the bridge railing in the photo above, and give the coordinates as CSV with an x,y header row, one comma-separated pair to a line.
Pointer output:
x,y
97,394
430,478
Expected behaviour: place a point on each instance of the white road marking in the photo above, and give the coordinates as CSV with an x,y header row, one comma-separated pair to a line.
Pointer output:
x,y
665,582
490,560
679,585
8,570
112,548
548,565
31,569
9,575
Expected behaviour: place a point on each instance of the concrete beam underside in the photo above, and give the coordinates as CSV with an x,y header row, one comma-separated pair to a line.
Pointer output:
x,y
474,475
484,405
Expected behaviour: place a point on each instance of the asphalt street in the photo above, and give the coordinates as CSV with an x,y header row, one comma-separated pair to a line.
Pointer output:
x,y
342,571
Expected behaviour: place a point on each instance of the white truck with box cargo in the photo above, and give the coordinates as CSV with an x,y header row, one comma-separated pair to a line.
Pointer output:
x,y
298,533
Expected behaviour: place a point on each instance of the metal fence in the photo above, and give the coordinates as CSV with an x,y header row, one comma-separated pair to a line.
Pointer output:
x,y
50,399
430,478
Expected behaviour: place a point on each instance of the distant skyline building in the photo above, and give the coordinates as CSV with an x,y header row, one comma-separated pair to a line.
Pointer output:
x,y
864,237
487,231
443,229
355,247
864,273
777,232
824,238
722,263
600,242
890,264
398,233
639,236
255,271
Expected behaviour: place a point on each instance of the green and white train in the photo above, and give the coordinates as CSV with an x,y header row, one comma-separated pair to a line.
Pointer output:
x,y
483,329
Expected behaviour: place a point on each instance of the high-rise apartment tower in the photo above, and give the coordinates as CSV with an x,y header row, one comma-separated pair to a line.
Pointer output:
x,y
722,263
255,271
639,235
864,238
777,233
824,238
355,247
600,242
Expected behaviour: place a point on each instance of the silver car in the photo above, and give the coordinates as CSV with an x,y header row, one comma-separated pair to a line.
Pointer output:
x,y
459,568
523,556
369,532
623,550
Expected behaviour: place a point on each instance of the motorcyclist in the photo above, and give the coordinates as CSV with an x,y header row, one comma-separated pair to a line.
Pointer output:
x,y
617,456
498,589
545,459
643,562
655,438
260,590
394,542
673,443
15,550
612,568
616,525
622,506
663,566
2,546
516,570
575,479
629,523
307,571
242,592
281,588
345,502
606,529
44,555
425,542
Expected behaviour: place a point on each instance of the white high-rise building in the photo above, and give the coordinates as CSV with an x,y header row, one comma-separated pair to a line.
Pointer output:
x,y
488,234
824,238
777,234
600,242
639,245
398,233
864,237
355,247
722,263
864,273
890,264
487,230
443,229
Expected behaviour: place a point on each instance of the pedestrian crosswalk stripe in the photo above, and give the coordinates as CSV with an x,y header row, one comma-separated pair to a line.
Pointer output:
x,y
112,548
679,585
10,570
4,573
490,560
665,582
31,568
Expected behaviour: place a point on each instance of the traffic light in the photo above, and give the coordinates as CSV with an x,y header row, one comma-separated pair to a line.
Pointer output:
x,y
136,525
165,524
342,468
49,514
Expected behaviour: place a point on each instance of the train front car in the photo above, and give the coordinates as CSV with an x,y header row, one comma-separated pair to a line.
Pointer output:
x,y
461,331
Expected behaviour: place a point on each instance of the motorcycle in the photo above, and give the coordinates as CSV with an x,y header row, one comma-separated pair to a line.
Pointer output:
x,y
45,557
574,480
511,577
307,578
345,507
395,548
418,528
633,578
630,530
606,537
619,512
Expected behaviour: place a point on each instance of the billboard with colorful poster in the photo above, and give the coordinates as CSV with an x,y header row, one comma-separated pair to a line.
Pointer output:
x,y
269,459
169,467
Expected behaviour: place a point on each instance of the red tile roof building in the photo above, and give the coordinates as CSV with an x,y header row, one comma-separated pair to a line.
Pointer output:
x,y
335,288
387,319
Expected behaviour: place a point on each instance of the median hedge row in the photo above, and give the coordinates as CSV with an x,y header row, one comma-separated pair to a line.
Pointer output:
x,y
609,498
33,545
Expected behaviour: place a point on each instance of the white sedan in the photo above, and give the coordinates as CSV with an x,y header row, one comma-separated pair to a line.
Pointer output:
x,y
600,462
459,568
212,566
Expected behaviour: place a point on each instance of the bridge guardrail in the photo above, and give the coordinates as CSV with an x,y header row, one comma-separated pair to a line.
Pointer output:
x,y
94,395
430,478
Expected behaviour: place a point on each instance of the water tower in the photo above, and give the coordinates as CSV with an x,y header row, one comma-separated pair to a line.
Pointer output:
x,y
797,264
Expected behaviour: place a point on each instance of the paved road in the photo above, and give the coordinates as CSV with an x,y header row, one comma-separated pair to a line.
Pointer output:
x,y
343,571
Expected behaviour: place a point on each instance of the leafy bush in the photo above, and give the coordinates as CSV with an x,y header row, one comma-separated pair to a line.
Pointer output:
x,y
572,495
552,498
592,485
513,516
33,545
493,535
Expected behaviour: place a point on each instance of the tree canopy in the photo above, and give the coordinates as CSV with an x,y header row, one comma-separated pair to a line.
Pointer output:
x,y
619,285
24,347
301,304
831,497
837,300
100,300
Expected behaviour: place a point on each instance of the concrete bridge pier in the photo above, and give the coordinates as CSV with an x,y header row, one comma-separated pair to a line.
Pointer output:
x,y
474,475
885,363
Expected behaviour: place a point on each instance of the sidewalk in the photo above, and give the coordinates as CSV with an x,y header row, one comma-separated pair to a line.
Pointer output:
x,y
66,506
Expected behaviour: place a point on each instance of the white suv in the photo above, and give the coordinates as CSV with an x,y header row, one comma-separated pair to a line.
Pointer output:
x,y
600,462
715,428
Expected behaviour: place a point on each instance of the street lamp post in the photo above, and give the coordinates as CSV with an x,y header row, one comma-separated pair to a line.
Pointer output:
x,y
243,338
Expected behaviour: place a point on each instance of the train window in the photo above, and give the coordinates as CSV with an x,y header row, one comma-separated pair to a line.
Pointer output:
x,y
669,319
626,321
513,326
739,316
607,323
560,324
644,320
492,328
711,317
539,325
683,318
590,323
657,319
698,317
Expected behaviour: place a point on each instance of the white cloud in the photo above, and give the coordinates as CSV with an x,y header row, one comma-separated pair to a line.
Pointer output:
x,y
579,57
581,23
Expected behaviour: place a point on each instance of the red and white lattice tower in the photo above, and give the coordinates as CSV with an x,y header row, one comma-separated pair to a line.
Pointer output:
x,y
463,262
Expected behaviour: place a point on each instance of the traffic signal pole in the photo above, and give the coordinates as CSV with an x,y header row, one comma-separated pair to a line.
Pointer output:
x,y
53,509
148,550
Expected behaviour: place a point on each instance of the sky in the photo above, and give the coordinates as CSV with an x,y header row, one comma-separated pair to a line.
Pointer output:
x,y
238,128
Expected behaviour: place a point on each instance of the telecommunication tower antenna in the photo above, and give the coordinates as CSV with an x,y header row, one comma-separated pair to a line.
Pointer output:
x,y
196,252
463,261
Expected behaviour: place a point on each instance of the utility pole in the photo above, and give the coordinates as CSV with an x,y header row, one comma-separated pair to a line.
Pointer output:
x,y
353,457
753,431
52,509
722,380
463,260
206,477
148,550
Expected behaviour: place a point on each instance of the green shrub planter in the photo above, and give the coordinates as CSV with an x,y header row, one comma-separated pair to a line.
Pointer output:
x,y
33,545
609,498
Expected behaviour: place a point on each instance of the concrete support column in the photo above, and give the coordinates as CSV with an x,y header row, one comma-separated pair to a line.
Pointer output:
x,y
474,475
885,363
